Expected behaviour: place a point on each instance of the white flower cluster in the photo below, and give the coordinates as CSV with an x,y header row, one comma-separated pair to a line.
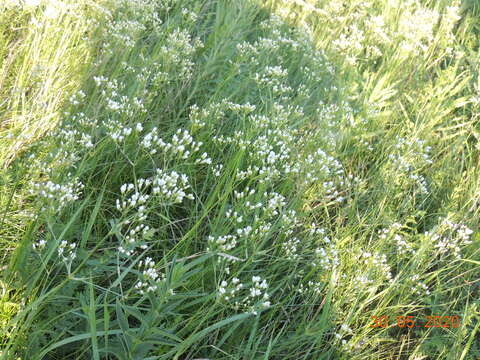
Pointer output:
x,y
234,214
321,166
190,16
406,160
136,198
150,277
73,136
290,248
290,221
121,133
277,41
271,153
222,243
39,245
274,204
64,156
359,31
77,98
245,193
350,42
404,248
312,287
326,258
181,145
344,331
274,78
67,252
128,20
449,238
225,243
270,145
228,292
135,235
418,34
325,163
418,287
256,209
450,18
62,194
217,170
216,111
254,300
314,229
168,187
124,32
363,282
117,102
378,263
176,59
172,186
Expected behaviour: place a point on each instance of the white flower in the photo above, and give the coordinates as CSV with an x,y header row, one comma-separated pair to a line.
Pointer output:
x,y
32,3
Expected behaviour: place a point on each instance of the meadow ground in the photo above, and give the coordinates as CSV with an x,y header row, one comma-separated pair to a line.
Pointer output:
x,y
219,179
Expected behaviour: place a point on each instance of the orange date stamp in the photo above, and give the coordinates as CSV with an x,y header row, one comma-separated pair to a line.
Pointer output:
x,y
410,322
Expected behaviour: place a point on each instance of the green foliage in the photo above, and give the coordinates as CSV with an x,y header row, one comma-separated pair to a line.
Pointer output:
x,y
250,180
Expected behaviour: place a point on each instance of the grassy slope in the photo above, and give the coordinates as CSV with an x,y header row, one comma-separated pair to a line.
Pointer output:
x,y
318,246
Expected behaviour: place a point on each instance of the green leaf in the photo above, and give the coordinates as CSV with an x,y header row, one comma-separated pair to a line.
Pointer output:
x,y
91,221
123,322
93,323
197,336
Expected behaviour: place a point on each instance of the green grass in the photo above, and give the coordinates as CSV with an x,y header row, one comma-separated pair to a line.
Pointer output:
x,y
239,180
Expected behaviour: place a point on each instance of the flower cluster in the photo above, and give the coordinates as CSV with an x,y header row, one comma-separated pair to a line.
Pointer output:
x,y
62,194
116,101
268,134
406,161
181,145
393,235
227,292
326,258
418,287
177,57
222,243
67,251
418,35
343,332
166,188
73,136
378,264
359,32
312,287
290,248
150,277
449,238
39,245
314,229
171,186
128,20
274,78
253,299
363,282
